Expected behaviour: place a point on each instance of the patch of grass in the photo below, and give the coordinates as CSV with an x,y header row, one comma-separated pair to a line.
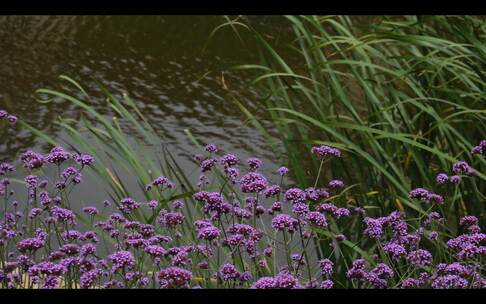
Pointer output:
x,y
393,92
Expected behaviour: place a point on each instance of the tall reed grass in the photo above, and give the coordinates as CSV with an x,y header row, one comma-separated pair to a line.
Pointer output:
x,y
393,92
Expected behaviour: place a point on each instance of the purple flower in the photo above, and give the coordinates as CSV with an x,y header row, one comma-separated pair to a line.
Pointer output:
x,y
3,114
121,259
325,150
91,210
469,220
88,278
374,227
211,148
300,209
12,119
229,160
316,218
229,272
327,284
170,219
152,204
336,184
455,179
32,160
127,205
312,194
419,257
449,281
295,195
177,204
84,159
58,155
87,249
34,212
163,182
441,178
326,266
286,280
283,170
462,167
70,249
207,164
479,149
6,167
63,215
155,250
327,207
208,233
433,235
254,163
253,182
232,174
174,277
419,193
411,283
283,221
30,244
265,283
342,212
271,191
276,206
383,271
31,181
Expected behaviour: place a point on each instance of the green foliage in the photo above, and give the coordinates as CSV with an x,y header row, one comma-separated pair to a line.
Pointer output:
x,y
403,96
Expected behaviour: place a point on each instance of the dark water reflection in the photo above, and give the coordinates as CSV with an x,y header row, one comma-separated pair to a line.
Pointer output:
x,y
158,60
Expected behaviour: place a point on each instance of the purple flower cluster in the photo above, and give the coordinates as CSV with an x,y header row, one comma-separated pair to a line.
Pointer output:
x,y
9,117
322,151
226,243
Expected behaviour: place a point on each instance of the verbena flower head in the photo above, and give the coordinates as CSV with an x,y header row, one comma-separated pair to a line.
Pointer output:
x,y
283,170
419,257
32,160
374,227
254,163
229,272
127,205
91,210
58,155
295,195
322,151
441,178
229,160
211,148
316,218
265,283
121,260
253,182
208,233
336,184
462,167
479,149
207,164
174,277
84,159
12,119
327,284
326,266
163,183
455,179
283,222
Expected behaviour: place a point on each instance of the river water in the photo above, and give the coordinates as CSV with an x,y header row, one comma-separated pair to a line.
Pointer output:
x,y
160,61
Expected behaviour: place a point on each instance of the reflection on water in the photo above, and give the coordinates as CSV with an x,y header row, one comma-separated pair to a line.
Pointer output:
x,y
158,60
